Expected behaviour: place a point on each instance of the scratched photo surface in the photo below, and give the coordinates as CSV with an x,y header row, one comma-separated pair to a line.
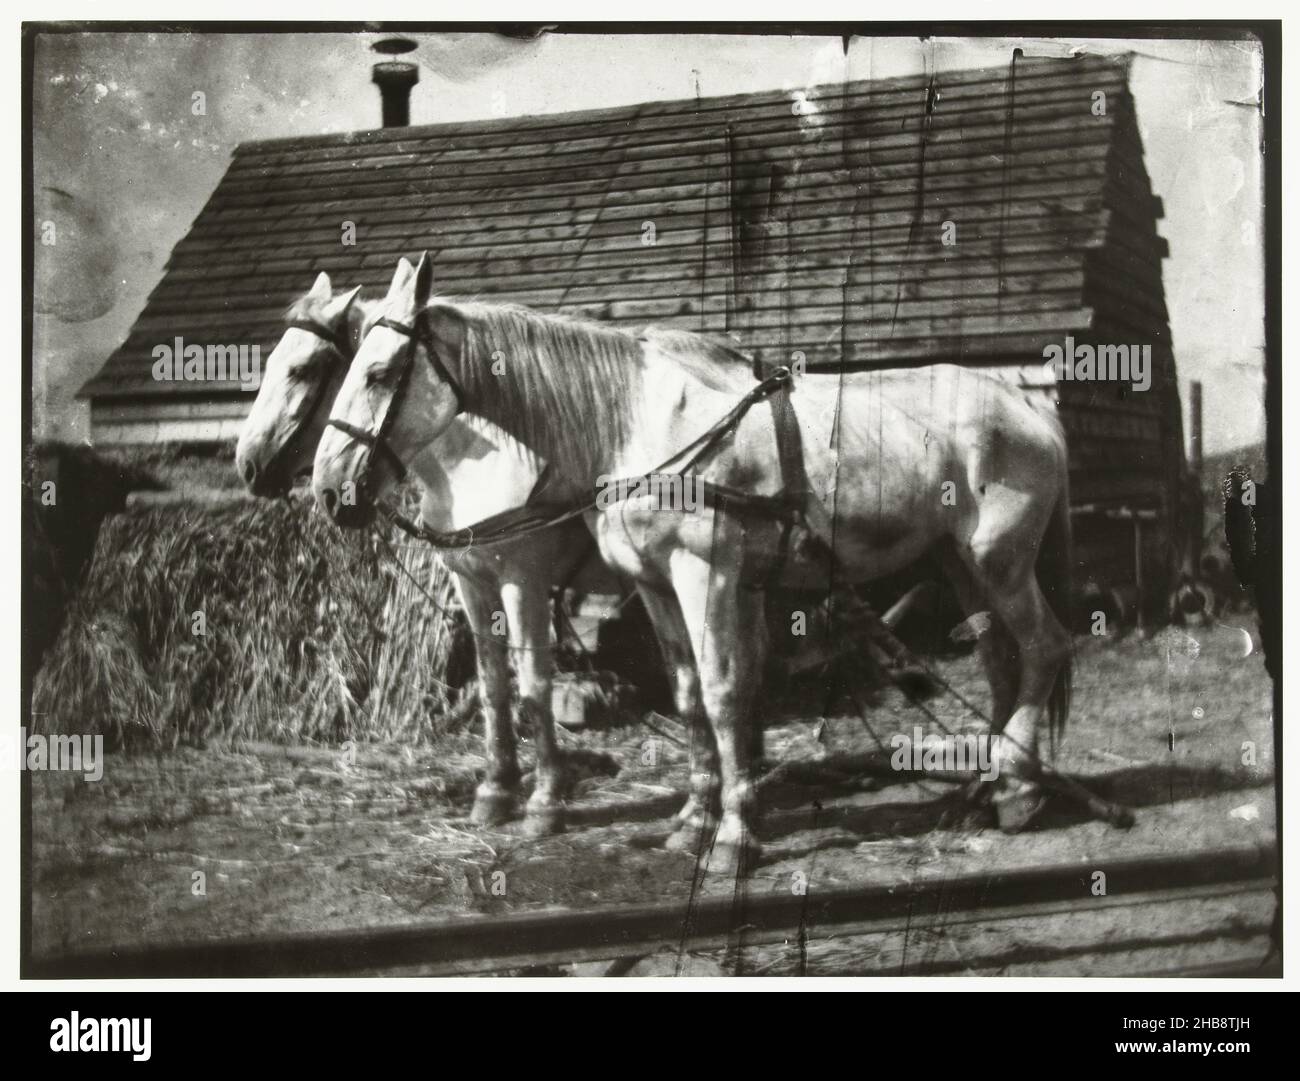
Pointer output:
x,y
647,504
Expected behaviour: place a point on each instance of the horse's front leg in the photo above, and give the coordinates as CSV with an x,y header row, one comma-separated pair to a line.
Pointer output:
x,y
702,801
728,638
527,603
496,796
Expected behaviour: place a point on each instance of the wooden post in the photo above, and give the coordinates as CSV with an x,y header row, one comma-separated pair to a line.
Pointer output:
x,y
1192,516
1194,453
1137,517
1137,575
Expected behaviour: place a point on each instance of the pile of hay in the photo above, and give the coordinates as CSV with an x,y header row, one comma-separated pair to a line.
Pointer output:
x,y
260,621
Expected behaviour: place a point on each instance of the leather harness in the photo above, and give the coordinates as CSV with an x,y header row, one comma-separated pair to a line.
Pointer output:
x,y
787,508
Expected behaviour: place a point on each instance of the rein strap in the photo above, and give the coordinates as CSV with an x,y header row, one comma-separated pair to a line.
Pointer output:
x,y
420,334
374,442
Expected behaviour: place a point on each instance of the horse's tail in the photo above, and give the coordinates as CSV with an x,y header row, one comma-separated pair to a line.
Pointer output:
x,y
1053,570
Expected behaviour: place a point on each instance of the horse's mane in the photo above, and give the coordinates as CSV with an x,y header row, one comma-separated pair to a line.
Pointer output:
x,y
716,362
567,385
563,385
300,307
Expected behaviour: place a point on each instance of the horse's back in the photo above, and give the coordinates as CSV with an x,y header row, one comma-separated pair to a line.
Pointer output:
x,y
937,408
900,457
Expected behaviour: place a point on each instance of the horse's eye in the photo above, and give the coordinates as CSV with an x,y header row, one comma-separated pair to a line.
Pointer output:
x,y
375,376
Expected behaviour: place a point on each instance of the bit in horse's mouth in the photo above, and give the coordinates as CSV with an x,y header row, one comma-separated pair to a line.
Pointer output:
x,y
354,515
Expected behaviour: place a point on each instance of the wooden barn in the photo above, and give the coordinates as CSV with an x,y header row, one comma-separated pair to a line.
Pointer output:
x,y
974,217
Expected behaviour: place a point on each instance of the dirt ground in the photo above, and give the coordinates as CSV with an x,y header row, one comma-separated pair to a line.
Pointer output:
x,y
292,839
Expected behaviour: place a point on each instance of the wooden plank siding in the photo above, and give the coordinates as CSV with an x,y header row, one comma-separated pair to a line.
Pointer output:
x,y
806,221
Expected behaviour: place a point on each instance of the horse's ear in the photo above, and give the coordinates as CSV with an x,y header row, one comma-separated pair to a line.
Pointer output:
x,y
401,277
423,280
321,289
337,308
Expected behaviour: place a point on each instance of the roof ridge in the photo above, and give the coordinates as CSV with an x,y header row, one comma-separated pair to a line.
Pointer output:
x,y
715,103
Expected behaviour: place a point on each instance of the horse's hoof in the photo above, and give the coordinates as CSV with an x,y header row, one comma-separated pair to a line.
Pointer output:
x,y
492,808
543,821
735,851
1018,807
688,837
735,857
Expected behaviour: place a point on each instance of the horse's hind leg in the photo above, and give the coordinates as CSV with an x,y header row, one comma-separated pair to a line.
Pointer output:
x,y
728,638
527,604
1044,645
495,797
703,798
996,647
1001,658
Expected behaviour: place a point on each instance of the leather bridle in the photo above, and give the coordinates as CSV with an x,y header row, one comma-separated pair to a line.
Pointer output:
x,y
341,345
376,440
343,348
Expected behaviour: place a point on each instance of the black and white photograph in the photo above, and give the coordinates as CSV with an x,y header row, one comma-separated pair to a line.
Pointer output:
x,y
703,502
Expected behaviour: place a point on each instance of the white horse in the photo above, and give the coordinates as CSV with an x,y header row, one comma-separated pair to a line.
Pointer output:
x,y
890,465
470,471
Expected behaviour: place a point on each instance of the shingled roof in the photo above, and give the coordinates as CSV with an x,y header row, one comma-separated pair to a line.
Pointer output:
x,y
809,221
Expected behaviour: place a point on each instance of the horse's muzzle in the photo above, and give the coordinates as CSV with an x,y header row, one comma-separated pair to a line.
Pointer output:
x,y
265,483
265,473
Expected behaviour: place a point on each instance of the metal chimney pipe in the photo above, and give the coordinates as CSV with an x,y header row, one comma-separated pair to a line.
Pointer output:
x,y
395,79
